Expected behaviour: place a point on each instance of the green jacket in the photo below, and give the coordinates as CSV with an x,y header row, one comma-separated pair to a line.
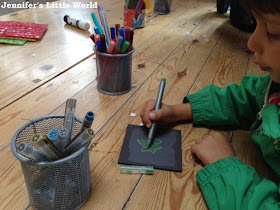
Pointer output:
x,y
229,183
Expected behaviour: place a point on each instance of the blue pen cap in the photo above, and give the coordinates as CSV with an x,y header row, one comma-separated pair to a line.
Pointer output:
x,y
97,30
113,34
65,18
52,134
100,47
122,33
89,116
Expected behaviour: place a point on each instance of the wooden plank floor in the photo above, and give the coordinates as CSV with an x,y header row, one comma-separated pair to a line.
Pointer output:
x,y
191,47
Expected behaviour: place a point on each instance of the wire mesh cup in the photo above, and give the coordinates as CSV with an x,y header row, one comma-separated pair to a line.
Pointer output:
x,y
162,7
60,184
114,72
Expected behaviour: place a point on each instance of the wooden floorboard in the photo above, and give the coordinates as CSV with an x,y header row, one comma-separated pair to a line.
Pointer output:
x,y
191,48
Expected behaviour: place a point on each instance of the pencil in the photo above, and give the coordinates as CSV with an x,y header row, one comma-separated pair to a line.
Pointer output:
x,y
158,105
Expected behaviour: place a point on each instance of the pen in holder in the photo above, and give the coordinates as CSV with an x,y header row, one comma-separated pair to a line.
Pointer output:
x,y
114,72
135,13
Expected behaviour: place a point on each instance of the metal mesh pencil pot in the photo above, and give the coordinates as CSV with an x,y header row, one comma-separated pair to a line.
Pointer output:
x,y
114,72
60,184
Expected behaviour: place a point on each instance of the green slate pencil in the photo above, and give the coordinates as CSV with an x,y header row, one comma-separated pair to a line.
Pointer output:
x,y
158,105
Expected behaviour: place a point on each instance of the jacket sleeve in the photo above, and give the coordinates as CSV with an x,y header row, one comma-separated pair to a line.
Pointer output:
x,y
231,107
230,184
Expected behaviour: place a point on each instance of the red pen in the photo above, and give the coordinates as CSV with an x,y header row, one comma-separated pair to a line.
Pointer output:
x,y
127,34
140,5
111,46
92,37
117,29
97,38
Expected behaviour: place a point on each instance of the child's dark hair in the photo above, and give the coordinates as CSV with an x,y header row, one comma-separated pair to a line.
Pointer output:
x,y
258,7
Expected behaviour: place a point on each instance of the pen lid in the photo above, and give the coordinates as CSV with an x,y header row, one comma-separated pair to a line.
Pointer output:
x,y
90,115
65,18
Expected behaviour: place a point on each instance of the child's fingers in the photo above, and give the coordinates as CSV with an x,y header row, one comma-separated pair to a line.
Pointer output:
x,y
144,114
156,114
194,148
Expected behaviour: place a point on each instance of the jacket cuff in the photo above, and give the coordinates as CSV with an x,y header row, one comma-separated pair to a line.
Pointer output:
x,y
198,108
211,171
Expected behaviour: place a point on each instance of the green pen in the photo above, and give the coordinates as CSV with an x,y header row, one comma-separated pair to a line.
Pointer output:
x,y
124,47
127,4
130,169
157,106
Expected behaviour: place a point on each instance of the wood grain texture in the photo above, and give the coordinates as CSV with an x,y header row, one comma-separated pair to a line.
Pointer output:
x,y
191,47
61,48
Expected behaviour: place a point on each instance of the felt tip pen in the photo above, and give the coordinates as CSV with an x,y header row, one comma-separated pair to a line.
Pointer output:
x,y
69,116
80,140
92,37
124,47
113,34
127,34
88,120
97,30
135,3
39,141
118,44
97,24
62,138
139,5
97,38
122,33
28,151
111,46
77,23
131,4
52,140
127,4
103,42
130,169
100,47
117,26
53,137
104,23
157,106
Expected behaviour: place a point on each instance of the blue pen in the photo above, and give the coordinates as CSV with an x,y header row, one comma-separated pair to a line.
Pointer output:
x,y
100,46
113,35
122,33
88,120
97,30
96,22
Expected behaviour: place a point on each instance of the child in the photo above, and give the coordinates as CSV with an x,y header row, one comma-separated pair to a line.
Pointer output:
x,y
226,182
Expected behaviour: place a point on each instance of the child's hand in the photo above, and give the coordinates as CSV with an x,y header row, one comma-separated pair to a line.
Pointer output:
x,y
212,148
166,114
162,115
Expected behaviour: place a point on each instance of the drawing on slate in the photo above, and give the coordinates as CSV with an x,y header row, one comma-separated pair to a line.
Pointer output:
x,y
153,148
165,152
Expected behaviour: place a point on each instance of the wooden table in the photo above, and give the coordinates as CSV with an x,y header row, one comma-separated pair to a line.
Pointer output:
x,y
191,47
